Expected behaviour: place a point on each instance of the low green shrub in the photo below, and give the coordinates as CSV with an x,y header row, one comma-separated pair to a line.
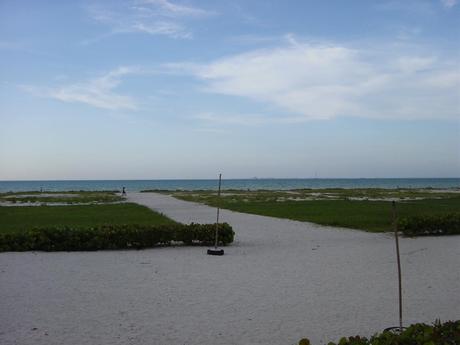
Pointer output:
x,y
447,333
428,225
114,237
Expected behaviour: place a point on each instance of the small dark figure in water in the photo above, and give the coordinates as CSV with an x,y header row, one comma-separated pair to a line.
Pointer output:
x,y
124,191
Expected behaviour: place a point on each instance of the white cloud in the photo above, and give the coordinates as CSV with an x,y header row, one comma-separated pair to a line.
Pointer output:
x,y
411,64
322,81
163,28
231,119
449,3
246,119
97,92
168,8
154,17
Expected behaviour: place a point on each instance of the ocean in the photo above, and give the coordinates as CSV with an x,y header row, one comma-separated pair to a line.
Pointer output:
x,y
243,184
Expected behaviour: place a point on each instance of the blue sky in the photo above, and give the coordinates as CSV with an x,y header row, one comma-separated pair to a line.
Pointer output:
x,y
145,89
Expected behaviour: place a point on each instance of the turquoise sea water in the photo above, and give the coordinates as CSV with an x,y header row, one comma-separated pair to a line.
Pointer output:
x,y
137,185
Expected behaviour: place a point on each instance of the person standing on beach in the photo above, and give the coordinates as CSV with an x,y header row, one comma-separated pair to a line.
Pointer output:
x,y
124,191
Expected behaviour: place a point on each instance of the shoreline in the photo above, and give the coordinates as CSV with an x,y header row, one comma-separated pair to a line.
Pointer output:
x,y
241,184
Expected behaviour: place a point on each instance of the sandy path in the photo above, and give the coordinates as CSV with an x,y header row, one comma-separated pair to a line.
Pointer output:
x,y
280,281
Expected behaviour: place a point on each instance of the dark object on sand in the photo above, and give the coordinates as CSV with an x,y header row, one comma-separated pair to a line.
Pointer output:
x,y
395,330
215,251
124,191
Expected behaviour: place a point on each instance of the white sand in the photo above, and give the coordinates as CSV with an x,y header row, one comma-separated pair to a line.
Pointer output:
x,y
41,195
27,204
280,281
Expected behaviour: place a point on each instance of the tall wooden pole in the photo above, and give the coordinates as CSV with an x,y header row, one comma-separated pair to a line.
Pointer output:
x,y
218,209
395,225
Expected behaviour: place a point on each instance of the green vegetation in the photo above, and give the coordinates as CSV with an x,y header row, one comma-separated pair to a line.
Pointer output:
x,y
113,237
371,194
427,225
93,227
447,333
23,218
366,209
70,197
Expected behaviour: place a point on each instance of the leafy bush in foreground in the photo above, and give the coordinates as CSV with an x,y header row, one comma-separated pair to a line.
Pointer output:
x,y
448,224
447,333
114,237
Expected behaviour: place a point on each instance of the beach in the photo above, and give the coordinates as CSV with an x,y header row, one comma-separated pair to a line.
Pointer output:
x,y
280,281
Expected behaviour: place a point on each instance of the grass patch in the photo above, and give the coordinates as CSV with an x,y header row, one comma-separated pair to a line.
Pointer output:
x,y
22,218
97,227
334,207
371,194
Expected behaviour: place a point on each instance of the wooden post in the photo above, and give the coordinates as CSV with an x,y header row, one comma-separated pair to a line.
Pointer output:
x,y
218,209
395,225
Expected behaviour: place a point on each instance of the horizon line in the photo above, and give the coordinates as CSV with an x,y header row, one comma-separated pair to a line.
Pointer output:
x,y
237,178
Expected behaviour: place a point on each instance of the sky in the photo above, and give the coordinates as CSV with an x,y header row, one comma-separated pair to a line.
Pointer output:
x,y
157,89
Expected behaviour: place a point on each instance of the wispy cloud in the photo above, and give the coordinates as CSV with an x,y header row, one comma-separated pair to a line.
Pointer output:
x,y
167,8
245,119
231,119
449,3
322,81
154,17
98,92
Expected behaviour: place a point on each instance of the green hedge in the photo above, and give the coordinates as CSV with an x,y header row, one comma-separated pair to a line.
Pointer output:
x,y
447,333
114,237
448,224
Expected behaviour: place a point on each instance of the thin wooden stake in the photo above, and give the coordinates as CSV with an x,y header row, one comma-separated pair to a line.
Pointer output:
x,y
218,209
395,225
